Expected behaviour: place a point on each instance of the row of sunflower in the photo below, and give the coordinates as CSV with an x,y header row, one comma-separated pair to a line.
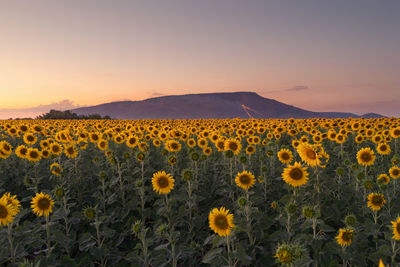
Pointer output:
x,y
190,192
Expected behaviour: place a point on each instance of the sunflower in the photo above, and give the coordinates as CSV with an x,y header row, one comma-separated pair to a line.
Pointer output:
x,y
245,180
56,169
12,200
173,146
345,237
384,178
56,149
207,151
70,151
7,212
309,154
396,229
250,149
162,182
285,155
233,145
376,201
366,156
21,151
395,132
33,154
191,142
220,221
30,139
359,139
202,142
42,204
383,149
295,174
94,137
132,141
102,144
394,172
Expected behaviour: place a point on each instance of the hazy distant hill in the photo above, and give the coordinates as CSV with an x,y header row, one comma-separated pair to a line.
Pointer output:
x,y
213,105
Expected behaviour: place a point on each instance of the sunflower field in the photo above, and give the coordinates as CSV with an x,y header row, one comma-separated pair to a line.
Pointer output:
x,y
235,192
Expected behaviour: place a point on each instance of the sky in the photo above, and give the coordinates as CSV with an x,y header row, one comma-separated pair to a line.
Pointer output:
x,y
319,55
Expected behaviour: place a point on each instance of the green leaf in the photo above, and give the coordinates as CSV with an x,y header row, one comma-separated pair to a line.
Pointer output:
x,y
211,255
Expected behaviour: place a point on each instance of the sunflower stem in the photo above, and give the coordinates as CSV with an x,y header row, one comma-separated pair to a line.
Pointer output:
x,y
229,251
11,242
247,213
142,195
48,235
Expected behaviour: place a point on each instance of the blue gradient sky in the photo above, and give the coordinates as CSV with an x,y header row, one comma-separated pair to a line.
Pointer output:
x,y
319,55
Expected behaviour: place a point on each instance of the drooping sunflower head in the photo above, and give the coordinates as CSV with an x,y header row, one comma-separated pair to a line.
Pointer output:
x,y
285,156
366,156
70,151
376,201
295,174
396,228
42,204
173,146
12,200
245,180
345,237
220,221
308,154
162,182
7,212
384,178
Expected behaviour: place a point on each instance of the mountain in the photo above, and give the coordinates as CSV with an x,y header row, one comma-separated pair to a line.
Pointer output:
x,y
205,106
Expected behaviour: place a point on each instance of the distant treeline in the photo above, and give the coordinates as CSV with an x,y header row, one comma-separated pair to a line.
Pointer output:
x,y
68,115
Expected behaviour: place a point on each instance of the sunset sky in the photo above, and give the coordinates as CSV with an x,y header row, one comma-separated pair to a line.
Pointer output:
x,y
319,55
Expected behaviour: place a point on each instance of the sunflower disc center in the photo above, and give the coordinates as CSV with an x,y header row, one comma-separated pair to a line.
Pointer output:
x,y
163,182
296,174
3,212
44,204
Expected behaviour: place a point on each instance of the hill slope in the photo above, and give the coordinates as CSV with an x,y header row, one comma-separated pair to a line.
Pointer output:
x,y
204,106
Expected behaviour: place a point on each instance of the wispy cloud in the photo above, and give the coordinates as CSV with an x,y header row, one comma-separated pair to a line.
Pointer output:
x,y
155,94
65,104
298,88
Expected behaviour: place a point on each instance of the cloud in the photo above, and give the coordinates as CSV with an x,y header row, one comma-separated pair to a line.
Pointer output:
x,y
298,88
65,104
155,94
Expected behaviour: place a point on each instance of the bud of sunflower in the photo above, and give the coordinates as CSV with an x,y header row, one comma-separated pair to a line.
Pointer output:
x,y
164,152
136,227
339,171
187,175
228,154
193,244
347,162
368,184
350,220
89,213
274,205
127,155
161,229
95,159
360,176
59,192
291,208
140,156
395,159
111,160
269,153
139,183
264,168
243,159
309,212
27,181
102,174
203,157
194,156
242,202
288,254
354,167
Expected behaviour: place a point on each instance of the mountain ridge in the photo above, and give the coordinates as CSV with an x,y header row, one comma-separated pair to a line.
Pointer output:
x,y
220,105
